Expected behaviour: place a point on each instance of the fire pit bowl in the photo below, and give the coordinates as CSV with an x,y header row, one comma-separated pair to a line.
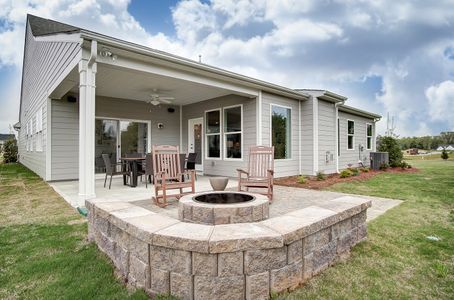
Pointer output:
x,y
214,208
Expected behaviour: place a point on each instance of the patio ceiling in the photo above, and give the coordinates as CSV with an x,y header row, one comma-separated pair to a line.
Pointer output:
x,y
117,82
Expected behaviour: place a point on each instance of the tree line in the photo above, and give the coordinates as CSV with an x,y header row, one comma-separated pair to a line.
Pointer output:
x,y
427,142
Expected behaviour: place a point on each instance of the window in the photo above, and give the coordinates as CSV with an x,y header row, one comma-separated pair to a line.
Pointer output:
x,y
350,134
213,133
369,136
39,130
233,132
281,131
27,138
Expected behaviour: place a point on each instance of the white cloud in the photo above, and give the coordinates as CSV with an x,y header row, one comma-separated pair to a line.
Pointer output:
x,y
441,100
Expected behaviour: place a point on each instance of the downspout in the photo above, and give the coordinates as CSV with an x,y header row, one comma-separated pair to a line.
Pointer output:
x,y
336,109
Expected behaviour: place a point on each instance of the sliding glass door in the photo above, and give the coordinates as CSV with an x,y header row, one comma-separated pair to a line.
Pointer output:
x,y
118,138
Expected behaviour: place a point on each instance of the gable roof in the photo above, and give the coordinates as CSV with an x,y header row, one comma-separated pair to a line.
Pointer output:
x,y
358,112
41,26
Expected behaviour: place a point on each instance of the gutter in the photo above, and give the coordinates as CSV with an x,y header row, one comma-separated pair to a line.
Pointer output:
x,y
336,109
256,83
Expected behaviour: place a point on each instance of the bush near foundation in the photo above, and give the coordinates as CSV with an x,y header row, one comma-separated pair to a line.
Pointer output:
x,y
10,151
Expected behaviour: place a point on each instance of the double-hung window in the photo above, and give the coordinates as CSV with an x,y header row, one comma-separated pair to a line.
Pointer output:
x,y
281,131
233,132
369,136
213,133
350,135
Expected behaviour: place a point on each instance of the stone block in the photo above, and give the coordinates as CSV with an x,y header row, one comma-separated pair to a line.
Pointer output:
x,y
143,227
363,202
345,242
117,217
184,236
258,286
230,263
362,233
291,228
204,264
120,236
241,219
220,288
139,272
266,211
106,244
359,219
103,209
222,214
341,228
344,210
308,266
187,212
295,252
287,277
121,260
159,281
139,248
178,261
245,211
257,213
323,257
239,237
102,225
316,240
259,261
181,286
316,217
202,215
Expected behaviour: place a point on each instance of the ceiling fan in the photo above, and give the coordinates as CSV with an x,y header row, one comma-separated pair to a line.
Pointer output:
x,y
157,98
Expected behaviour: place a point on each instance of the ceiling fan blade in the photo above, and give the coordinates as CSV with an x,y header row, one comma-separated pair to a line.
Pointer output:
x,y
166,101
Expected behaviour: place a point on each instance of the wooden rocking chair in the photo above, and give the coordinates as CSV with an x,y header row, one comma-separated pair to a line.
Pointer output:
x,y
260,172
168,174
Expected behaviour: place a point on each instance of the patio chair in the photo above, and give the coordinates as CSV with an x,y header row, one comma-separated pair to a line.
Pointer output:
x,y
111,169
190,164
168,174
148,169
260,172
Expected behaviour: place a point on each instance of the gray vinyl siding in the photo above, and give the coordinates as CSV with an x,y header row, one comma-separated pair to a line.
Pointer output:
x,y
326,137
65,128
290,166
223,167
44,62
353,156
307,137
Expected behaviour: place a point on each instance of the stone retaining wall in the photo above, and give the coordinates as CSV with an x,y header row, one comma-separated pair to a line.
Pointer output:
x,y
231,261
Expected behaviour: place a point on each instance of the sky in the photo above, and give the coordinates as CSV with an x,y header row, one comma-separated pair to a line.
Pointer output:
x,y
386,56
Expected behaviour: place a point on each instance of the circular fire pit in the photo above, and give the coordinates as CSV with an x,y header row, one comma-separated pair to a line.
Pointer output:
x,y
214,208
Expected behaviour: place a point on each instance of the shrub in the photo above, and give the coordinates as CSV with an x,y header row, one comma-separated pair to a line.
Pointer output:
x,y
405,165
365,170
354,172
345,173
444,154
301,179
390,145
10,151
384,166
320,175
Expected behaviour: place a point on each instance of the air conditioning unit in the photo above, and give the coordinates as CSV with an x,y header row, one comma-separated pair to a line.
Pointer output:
x,y
377,159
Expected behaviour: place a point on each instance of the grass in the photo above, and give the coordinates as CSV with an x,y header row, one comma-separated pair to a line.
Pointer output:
x,y
44,253
398,261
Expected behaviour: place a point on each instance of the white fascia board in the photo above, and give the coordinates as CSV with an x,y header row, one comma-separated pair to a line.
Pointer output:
x,y
196,67
60,37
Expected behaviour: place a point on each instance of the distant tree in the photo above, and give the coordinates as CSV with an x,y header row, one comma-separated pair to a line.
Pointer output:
x,y
447,137
10,151
444,154
390,145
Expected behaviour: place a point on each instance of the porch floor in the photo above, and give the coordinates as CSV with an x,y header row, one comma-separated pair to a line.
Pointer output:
x,y
286,199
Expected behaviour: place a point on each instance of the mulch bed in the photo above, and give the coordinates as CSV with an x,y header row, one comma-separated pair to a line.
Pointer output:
x,y
313,183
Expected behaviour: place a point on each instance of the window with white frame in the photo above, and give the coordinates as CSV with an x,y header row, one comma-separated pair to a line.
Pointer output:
x,y
369,136
281,131
27,138
233,132
39,130
213,133
350,135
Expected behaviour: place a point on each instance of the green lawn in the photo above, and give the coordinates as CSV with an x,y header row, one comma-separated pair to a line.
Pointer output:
x,y
398,261
44,253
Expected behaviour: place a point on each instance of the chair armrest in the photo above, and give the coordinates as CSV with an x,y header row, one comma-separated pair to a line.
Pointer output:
x,y
242,171
271,172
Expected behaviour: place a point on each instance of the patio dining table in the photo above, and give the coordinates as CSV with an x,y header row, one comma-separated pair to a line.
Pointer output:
x,y
134,166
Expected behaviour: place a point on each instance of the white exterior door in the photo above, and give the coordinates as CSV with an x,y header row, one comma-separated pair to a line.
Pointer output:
x,y
195,140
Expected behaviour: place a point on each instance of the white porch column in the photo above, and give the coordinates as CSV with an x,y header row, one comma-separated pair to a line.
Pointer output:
x,y
87,77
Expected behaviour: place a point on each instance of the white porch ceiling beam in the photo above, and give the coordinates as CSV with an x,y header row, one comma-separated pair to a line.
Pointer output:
x,y
135,65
